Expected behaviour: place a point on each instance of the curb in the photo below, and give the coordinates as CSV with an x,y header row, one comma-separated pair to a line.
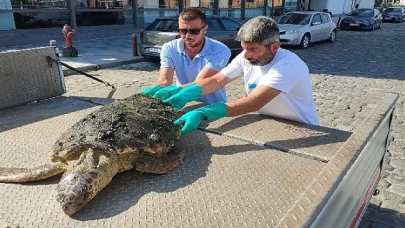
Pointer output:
x,y
93,67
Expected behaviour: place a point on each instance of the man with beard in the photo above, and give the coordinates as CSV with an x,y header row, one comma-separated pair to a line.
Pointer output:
x,y
277,81
193,57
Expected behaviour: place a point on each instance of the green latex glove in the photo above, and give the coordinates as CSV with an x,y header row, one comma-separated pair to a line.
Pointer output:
x,y
167,92
189,93
192,119
151,90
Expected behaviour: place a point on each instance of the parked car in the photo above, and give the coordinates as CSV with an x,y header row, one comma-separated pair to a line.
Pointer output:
x,y
305,27
394,14
164,29
364,18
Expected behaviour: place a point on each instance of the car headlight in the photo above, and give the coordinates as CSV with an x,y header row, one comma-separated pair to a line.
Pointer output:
x,y
292,32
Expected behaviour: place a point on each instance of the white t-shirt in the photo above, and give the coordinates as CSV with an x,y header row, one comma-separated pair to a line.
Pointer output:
x,y
287,73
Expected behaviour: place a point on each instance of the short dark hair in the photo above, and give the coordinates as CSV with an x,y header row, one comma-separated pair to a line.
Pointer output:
x,y
191,14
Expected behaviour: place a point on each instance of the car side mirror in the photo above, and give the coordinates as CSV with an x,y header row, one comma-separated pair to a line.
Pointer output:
x,y
316,23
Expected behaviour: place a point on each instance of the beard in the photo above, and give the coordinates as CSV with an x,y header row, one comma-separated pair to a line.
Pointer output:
x,y
192,43
262,60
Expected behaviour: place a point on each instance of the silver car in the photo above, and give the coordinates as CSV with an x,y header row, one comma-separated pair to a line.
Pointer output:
x,y
305,27
164,29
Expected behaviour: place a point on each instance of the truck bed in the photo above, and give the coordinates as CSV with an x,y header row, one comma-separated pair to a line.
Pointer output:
x,y
247,171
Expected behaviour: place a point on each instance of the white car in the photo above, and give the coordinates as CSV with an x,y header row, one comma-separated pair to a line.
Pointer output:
x,y
305,27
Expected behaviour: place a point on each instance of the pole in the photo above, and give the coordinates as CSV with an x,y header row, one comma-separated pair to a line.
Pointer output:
x,y
216,7
72,14
135,13
272,9
243,8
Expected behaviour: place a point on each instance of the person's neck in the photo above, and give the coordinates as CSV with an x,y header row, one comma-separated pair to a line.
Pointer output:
x,y
192,52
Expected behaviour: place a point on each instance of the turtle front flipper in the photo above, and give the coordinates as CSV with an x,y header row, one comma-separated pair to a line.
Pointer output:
x,y
15,175
148,163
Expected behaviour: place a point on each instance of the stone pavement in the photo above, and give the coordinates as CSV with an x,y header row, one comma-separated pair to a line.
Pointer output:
x,y
345,76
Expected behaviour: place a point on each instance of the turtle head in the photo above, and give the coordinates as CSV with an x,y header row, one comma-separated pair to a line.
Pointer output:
x,y
76,189
84,178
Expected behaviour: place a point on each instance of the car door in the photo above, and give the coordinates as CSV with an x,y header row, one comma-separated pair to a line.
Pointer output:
x,y
316,28
327,27
377,17
231,28
403,13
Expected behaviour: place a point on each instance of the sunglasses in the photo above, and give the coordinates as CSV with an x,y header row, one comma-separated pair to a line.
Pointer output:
x,y
193,32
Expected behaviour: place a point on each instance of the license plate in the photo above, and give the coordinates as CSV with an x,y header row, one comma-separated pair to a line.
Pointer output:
x,y
352,24
154,50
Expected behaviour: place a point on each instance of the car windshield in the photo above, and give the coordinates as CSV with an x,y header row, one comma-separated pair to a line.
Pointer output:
x,y
361,13
393,10
295,19
163,25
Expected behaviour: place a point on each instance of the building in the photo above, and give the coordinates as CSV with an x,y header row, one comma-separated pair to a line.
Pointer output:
x,y
28,14
340,6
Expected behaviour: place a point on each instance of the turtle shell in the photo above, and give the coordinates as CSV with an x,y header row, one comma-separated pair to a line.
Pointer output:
x,y
137,123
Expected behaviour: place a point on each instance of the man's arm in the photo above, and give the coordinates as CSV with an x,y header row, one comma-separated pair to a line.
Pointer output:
x,y
212,84
205,73
280,79
216,62
166,72
260,97
166,76
254,102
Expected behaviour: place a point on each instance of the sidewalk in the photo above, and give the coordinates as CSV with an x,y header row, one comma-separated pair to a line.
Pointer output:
x,y
98,46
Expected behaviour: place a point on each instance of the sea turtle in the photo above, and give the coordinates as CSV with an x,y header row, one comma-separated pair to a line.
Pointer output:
x,y
136,132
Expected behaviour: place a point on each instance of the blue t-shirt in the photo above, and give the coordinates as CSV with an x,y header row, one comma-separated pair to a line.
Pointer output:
x,y
214,55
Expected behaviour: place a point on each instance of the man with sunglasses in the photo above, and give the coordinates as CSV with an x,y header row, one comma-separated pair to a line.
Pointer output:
x,y
193,57
277,81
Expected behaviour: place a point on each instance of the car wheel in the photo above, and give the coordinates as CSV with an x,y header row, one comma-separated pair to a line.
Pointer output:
x,y
332,36
305,41
372,27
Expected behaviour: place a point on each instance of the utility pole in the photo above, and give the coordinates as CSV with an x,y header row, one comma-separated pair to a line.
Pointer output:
x,y
135,13
72,13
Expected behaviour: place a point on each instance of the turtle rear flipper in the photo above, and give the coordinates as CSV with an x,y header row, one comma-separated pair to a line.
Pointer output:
x,y
31,174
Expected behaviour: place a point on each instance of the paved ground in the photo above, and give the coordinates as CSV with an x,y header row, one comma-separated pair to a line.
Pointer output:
x,y
28,37
344,75
102,46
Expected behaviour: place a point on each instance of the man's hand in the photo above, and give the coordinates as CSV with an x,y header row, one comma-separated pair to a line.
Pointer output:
x,y
192,119
189,93
167,92
151,90
161,92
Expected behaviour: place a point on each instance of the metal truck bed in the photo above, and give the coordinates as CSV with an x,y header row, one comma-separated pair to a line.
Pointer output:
x,y
241,172
247,171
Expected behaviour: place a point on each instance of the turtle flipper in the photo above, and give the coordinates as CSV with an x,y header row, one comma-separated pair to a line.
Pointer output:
x,y
163,164
31,174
